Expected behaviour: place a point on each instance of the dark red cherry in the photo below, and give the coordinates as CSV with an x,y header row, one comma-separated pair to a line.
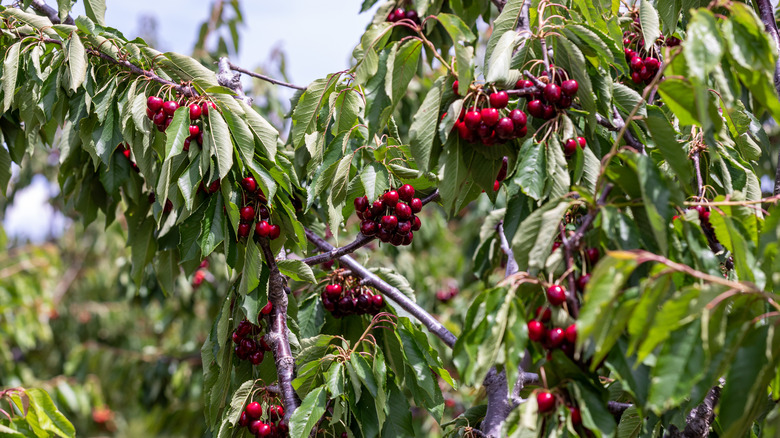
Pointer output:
x,y
593,255
333,291
543,314
377,302
361,203
247,213
170,107
263,229
368,227
403,211
637,63
556,295
499,99
570,87
154,103
406,192
545,401
416,224
473,119
195,111
389,223
416,205
570,147
490,116
254,410
555,337
536,108
249,184
274,232
502,171
571,333
552,93
455,88
390,198
536,331
403,227
582,281
243,230
518,118
505,128
581,141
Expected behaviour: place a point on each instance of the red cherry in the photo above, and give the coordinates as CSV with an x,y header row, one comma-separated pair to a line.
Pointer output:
x,y
186,146
593,255
636,77
576,416
195,111
416,205
549,112
243,230
400,14
652,64
403,227
194,130
170,107
407,238
275,412
390,198
455,88
570,147
236,338
565,102
333,291
502,171
159,118
256,358
496,185
464,132
582,281
266,310
204,108
361,204
473,119
543,314
249,184
629,54
490,116
518,118
505,128
403,211
243,420
262,429
406,192
154,103
552,93
274,232
571,333
520,133
581,141
247,213
389,223
545,401
150,114
368,227
499,99
262,229
536,108
555,337
244,327
214,186
570,87
556,295
637,63
391,16
377,208
555,246
254,410
416,224
536,331
264,345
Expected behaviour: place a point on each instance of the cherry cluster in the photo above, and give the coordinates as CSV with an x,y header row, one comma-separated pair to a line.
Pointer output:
x,y
200,274
447,294
161,113
644,63
346,296
488,121
399,14
392,217
539,329
570,146
253,419
213,187
557,95
125,148
591,255
248,346
255,205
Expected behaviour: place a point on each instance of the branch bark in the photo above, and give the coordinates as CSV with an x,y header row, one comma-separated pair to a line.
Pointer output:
x,y
277,332
767,13
511,263
52,14
498,403
264,77
227,78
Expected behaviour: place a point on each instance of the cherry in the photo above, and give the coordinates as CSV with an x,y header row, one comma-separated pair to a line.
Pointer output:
x,y
576,416
555,246
262,429
249,184
571,333
522,83
652,64
244,327
264,345
214,186
536,331
170,107
254,410
520,133
194,130
236,338
391,16
416,224
377,208
637,63
496,185
243,230
593,255
505,127
549,112
263,229
126,153
556,295
636,77
518,117
543,314
406,192
552,93
384,235
274,232
186,146
416,205
368,227
464,132
403,211
570,147
361,204
159,118
195,111
545,401
499,99
397,239
536,108
473,119
629,53
407,238
150,114
154,103
247,213
490,116
333,291
204,108
484,131
242,354
565,102
570,87
266,310
645,73
389,223
555,337
455,88
502,171
275,412
404,227
399,14
390,198
243,420
582,142
412,15
582,281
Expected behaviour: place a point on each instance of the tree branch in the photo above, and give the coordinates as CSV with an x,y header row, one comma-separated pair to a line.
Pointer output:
x,y
499,4
390,292
498,402
701,417
277,332
52,14
511,263
227,78
264,77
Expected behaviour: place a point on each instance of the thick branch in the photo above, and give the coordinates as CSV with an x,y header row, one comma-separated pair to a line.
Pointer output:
x,y
616,408
277,332
390,292
227,78
41,7
499,4
498,402
701,417
264,77
360,241
511,263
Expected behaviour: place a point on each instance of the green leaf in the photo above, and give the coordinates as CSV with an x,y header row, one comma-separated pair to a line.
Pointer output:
x,y
96,10
401,67
748,42
308,414
665,139
569,56
679,95
423,129
213,226
306,111
375,179
338,191
250,276
219,135
531,173
10,70
239,401
192,70
679,366
264,131
703,46
501,60
297,270
669,11
648,18
77,61
461,36
347,108
537,230
604,287
506,21
177,132
626,99
48,416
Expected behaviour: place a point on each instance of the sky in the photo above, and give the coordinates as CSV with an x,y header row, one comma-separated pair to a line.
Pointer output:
x,y
317,37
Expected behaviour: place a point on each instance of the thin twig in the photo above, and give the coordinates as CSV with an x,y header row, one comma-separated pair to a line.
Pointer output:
x,y
227,78
41,7
264,77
